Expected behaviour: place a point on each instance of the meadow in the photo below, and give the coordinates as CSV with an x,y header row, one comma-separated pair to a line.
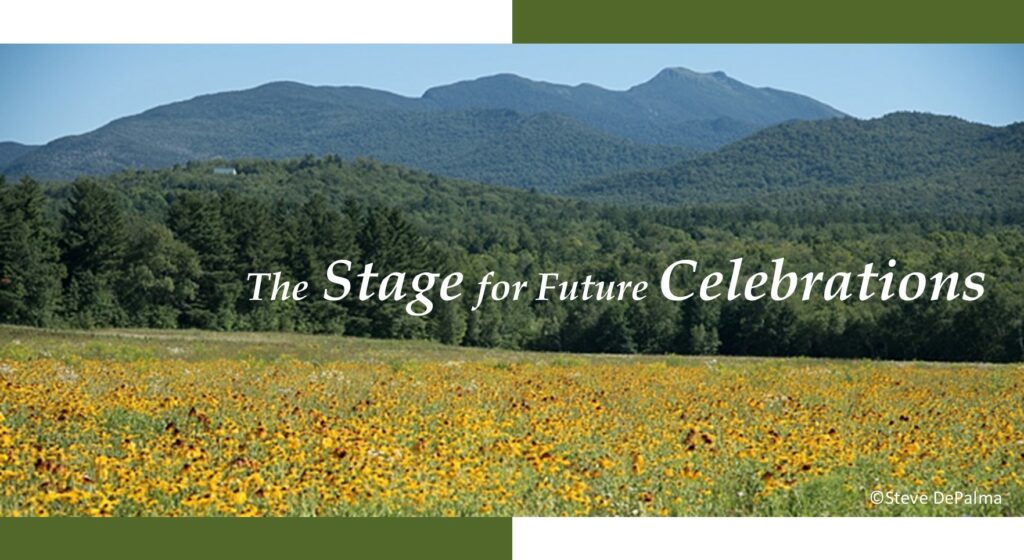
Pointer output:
x,y
146,422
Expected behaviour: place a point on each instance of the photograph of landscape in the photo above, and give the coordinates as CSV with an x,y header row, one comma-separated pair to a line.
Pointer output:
x,y
142,186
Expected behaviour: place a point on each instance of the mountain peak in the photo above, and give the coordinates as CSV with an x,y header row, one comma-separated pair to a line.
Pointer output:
x,y
677,72
282,84
505,76
492,91
678,80
280,87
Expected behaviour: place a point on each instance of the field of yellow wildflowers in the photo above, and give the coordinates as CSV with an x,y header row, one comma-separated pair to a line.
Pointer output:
x,y
185,423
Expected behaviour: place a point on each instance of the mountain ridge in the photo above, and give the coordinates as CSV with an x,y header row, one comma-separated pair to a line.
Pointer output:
x,y
895,160
652,121
10,151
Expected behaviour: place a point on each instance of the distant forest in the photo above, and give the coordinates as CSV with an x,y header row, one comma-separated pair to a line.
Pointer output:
x,y
171,248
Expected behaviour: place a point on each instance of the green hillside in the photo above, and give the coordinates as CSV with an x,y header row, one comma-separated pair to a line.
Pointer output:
x,y
900,162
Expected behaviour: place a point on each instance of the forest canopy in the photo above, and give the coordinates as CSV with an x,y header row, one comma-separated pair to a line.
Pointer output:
x,y
171,248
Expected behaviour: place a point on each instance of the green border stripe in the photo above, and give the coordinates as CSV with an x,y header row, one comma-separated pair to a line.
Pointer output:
x,y
767,21
371,538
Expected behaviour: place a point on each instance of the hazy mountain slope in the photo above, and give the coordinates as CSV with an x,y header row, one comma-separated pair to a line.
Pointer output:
x,y
547,150
903,160
496,146
449,129
10,151
676,107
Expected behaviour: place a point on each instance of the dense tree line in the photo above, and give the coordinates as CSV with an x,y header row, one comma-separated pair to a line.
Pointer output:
x,y
172,248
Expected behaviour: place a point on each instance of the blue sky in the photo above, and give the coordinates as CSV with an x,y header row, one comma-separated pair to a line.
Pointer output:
x,y
52,91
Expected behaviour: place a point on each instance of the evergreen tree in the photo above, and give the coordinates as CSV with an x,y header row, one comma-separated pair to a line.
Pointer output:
x,y
653,323
319,236
390,242
196,219
612,333
93,244
257,244
698,333
30,269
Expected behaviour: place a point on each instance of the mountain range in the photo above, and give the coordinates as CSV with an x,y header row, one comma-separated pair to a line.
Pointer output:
x,y
680,138
501,129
